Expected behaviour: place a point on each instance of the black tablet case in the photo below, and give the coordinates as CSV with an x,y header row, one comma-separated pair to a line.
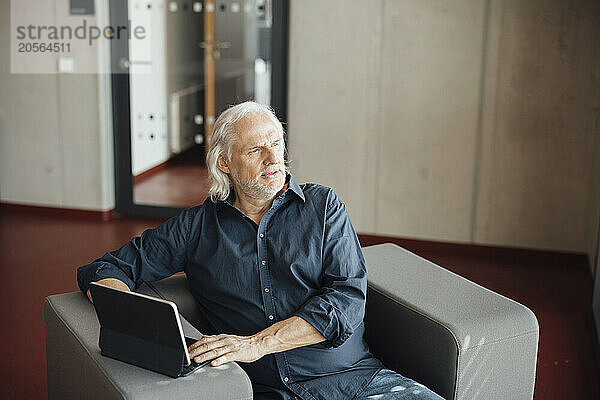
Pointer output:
x,y
139,330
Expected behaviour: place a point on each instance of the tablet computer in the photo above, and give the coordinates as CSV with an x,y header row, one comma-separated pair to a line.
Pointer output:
x,y
142,330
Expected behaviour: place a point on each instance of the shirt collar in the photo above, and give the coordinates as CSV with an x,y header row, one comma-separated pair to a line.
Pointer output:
x,y
231,198
292,185
295,187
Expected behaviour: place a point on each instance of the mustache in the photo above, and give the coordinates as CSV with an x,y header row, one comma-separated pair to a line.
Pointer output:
x,y
269,170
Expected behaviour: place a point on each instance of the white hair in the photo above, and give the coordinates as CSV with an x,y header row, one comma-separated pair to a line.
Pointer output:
x,y
222,138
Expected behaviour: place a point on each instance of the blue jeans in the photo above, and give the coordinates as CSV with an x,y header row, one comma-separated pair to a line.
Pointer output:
x,y
388,385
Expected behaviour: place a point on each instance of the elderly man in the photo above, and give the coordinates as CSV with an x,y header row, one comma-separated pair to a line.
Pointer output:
x,y
276,269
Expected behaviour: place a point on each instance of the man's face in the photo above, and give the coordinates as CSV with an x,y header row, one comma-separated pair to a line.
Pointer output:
x,y
257,161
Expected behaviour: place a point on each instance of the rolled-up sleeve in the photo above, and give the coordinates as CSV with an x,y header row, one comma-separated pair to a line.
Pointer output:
x,y
340,306
155,254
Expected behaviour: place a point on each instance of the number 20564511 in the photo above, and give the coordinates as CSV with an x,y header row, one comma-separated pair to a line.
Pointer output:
x,y
34,47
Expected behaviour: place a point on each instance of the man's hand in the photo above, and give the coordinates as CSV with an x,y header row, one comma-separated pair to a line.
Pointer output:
x,y
226,348
112,282
284,335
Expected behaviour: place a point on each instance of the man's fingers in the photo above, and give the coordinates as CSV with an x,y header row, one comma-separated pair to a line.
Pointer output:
x,y
211,354
206,339
197,343
224,359
202,348
222,349
212,338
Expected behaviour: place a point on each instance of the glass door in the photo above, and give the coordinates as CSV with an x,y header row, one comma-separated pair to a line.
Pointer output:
x,y
197,58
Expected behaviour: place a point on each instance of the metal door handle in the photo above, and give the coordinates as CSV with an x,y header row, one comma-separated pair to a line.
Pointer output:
x,y
125,63
218,47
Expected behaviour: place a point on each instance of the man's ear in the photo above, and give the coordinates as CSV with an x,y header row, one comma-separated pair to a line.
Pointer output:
x,y
222,164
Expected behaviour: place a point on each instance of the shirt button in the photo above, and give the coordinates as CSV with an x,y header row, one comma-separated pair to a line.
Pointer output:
x,y
266,290
262,235
263,262
271,316
285,379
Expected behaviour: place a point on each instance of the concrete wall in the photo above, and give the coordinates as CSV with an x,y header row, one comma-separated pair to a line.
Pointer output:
x,y
469,121
55,129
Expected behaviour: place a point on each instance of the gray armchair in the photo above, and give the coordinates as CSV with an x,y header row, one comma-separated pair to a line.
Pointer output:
x,y
454,336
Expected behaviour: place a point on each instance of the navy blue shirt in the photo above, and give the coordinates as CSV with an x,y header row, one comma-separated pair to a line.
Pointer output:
x,y
303,259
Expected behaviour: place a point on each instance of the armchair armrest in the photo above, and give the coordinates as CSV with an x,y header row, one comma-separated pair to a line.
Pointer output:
x,y
458,338
76,369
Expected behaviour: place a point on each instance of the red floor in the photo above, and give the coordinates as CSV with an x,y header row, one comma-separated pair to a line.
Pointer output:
x,y
40,255
181,182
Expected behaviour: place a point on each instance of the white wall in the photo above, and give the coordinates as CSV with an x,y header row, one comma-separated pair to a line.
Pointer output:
x,y
466,121
56,129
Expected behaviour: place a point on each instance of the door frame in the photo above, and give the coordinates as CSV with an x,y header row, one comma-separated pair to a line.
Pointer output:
x,y
124,204
596,294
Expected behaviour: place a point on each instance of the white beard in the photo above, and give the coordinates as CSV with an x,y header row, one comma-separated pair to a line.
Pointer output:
x,y
253,188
